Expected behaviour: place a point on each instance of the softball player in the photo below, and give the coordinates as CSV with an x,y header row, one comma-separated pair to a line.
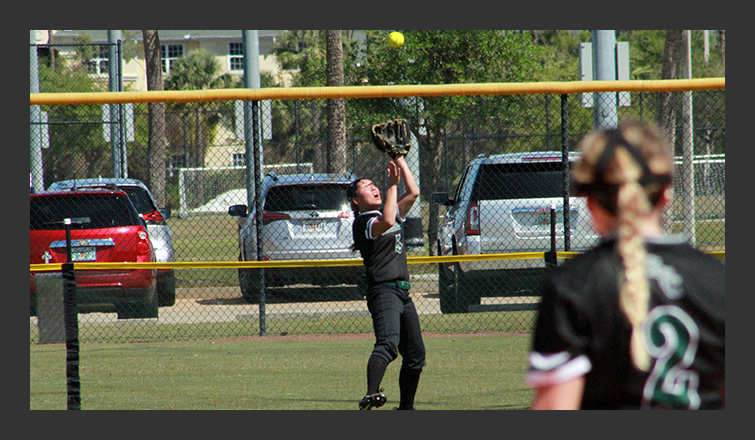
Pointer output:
x,y
379,238
638,321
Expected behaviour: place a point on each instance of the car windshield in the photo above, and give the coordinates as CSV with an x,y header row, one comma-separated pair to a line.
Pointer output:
x,y
519,181
330,197
87,211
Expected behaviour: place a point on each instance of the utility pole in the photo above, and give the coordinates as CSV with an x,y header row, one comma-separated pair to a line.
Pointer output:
x,y
604,56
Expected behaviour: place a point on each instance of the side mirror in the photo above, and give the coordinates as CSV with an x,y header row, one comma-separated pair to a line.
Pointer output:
x,y
442,199
237,211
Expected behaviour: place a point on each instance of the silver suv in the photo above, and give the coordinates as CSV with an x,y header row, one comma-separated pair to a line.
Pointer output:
x,y
502,204
305,217
159,232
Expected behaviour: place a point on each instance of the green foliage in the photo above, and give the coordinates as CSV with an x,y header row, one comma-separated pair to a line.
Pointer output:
x,y
197,70
300,50
560,58
646,49
73,146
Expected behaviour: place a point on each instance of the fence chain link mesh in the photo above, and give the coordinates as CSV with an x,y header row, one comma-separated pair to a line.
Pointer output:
x,y
206,171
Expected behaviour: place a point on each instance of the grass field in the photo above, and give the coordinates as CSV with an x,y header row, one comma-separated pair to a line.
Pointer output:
x,y
463,372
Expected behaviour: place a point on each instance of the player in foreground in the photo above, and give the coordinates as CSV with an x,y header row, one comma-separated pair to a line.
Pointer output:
x,y
379,238
638,321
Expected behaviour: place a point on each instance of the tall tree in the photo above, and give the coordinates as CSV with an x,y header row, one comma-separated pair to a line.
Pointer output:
x,y
336,162
722,44
158,141
672,53
444,57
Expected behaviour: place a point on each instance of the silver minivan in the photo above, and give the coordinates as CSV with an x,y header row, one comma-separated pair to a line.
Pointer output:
x,y
158,229
305,217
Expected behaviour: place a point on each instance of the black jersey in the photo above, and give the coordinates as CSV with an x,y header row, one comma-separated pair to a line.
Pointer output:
x,y
581,330
384,256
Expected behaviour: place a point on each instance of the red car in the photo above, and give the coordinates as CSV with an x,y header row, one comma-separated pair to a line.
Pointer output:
x,y
105,227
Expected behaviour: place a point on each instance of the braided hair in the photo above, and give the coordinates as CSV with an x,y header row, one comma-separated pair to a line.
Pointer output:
x,y
626,171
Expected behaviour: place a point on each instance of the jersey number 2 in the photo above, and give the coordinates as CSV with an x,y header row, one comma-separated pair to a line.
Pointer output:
x,y
671,337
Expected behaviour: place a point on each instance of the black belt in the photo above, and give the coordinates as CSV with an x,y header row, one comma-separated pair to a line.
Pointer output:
x,y
400,284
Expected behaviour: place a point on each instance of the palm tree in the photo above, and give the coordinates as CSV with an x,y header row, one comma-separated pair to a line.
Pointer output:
x,y
336,107
672,53
158,141
198,70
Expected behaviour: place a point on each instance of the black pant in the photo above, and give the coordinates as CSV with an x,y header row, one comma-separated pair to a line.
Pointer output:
x,y
396,325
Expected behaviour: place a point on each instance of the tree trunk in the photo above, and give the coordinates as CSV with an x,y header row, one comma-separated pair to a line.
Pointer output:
x,y
722,45
672,52
158,141
336,107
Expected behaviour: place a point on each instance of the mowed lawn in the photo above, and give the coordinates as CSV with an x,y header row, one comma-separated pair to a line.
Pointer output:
x,y
463,372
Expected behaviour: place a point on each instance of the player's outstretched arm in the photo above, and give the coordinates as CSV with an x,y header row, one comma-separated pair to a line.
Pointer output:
x,y
388,219
407,199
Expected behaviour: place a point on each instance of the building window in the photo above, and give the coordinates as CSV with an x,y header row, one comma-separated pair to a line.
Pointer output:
x,y
99,62
236,56
238,159
170,53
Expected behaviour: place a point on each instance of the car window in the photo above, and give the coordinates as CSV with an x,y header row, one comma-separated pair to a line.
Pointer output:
x,y
140,199
88,211
519,181
306,197
458,195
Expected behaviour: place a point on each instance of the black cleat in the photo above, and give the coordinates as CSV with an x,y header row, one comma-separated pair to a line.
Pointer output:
x,y
373,401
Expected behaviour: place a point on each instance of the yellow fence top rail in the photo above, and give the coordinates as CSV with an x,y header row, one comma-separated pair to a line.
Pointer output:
x,y
57,267
561,88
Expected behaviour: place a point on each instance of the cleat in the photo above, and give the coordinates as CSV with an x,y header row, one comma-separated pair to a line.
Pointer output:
x,y
373,401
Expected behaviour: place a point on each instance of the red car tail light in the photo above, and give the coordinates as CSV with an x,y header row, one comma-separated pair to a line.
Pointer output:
x,y
473,219
143,245
270,216
153,217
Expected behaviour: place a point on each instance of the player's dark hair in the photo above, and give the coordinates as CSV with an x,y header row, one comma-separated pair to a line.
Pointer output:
x,y
626,171
351,192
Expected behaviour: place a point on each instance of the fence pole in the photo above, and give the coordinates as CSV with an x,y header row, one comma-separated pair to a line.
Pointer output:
x,y
566,169
71,319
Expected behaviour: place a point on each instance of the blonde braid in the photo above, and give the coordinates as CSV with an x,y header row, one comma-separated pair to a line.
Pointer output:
x,y
634,293
632,204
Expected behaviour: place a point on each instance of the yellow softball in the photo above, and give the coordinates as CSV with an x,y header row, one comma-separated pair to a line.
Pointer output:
x,y
395,39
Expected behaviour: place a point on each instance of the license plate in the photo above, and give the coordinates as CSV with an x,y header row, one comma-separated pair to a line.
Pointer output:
x,y
310,226
84,254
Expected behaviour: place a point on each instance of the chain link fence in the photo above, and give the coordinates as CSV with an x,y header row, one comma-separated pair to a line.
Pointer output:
x,y
214,159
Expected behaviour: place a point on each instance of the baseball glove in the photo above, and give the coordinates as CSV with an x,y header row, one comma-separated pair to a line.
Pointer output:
x,y
392,137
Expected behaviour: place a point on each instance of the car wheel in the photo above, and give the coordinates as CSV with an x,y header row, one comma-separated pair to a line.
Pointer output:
x,y
249,283
454,291
447,287
166,289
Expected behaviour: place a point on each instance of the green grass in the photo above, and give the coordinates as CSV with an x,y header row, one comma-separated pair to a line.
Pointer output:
x,y
473,372
130,332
